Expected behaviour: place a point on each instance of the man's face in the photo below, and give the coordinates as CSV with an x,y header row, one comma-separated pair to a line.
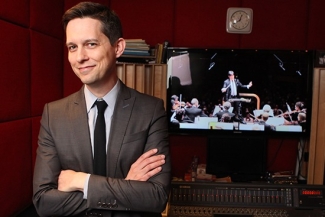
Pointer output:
x,y
90,53
231,77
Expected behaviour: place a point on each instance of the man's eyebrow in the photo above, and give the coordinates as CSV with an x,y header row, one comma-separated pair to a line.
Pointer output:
x,y
91,40
84,42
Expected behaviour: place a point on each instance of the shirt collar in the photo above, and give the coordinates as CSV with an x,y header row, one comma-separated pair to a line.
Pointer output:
x,y
110,97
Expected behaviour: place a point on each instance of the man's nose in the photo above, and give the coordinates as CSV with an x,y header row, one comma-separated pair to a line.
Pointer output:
x,y
81,55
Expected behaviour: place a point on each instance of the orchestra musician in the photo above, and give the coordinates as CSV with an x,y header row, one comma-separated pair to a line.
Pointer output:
x,y
193,111
297,116
220,114
267,127
293,115
177,110
249,117
174,101
266,109
231,91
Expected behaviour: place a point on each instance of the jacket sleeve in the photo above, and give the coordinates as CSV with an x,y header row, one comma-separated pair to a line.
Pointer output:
x,y
47,199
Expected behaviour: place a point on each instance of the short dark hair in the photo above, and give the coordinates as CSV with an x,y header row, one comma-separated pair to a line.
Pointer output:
x,y
300,105
111,24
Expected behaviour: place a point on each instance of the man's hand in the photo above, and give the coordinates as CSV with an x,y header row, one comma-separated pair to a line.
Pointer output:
x,y
70,180
250,84
147,165
223,89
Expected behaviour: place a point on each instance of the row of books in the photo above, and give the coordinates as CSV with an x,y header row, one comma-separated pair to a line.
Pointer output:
x,y
161,52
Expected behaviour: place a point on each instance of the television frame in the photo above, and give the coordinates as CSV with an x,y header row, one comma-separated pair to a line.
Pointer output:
x,y
277,62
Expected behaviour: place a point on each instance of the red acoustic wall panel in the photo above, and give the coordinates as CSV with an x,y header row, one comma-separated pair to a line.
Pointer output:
x,y
149,20
316,25
203,24
15,78
277,24
15,166
45,17
282,154
31,58
15,11
182,149
46,71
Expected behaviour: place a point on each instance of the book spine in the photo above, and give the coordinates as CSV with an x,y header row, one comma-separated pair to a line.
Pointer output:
x,y
164,52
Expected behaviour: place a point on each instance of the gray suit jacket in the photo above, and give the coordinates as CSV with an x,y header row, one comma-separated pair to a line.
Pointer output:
x,y
139,123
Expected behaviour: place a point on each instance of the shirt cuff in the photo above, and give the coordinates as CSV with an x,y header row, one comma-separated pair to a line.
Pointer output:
x,y
86,186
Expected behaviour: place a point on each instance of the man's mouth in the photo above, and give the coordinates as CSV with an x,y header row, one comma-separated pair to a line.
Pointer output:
x,y
85,69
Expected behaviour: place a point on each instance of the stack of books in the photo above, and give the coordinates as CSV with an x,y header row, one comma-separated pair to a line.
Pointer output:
x,y
136,47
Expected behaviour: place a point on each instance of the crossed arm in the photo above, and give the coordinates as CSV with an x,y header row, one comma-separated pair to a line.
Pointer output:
x,y
145,167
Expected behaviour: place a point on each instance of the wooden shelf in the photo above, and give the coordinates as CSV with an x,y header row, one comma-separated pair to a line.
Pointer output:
x,y
145,78
316,160
137,56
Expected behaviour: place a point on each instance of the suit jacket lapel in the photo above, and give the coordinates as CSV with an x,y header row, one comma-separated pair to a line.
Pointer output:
x,y
120,119
78,117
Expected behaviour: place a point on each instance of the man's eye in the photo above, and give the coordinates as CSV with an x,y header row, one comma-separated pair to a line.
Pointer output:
x,y
92,45
72,47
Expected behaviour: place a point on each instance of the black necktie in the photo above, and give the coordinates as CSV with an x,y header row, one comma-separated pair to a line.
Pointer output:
x,y
100,140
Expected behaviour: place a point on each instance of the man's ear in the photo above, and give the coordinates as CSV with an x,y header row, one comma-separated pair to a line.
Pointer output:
x,y
120,46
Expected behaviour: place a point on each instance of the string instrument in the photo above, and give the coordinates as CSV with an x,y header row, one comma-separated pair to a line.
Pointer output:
x,y
291,112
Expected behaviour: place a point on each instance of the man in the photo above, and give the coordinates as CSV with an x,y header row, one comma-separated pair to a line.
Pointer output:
x,y
230,90
177,110
138,168
297,116
267,127
225,113
194,111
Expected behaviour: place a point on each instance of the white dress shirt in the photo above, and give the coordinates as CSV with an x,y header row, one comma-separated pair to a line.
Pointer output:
x,y
110,99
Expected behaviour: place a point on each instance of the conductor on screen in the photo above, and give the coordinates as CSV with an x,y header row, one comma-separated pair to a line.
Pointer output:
x,y
231,93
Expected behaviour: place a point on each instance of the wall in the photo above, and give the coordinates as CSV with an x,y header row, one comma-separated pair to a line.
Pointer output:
x,y
35,68
32,74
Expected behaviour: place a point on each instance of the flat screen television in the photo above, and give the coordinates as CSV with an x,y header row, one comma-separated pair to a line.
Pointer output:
x,y
278,101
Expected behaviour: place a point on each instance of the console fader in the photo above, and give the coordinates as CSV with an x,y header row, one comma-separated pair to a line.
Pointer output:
x,y
196,199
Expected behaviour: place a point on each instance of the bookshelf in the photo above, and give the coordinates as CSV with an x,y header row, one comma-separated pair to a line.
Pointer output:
x,y
137,58
145,78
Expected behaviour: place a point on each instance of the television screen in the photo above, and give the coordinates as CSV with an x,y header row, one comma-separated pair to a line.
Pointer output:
x,y
226,91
